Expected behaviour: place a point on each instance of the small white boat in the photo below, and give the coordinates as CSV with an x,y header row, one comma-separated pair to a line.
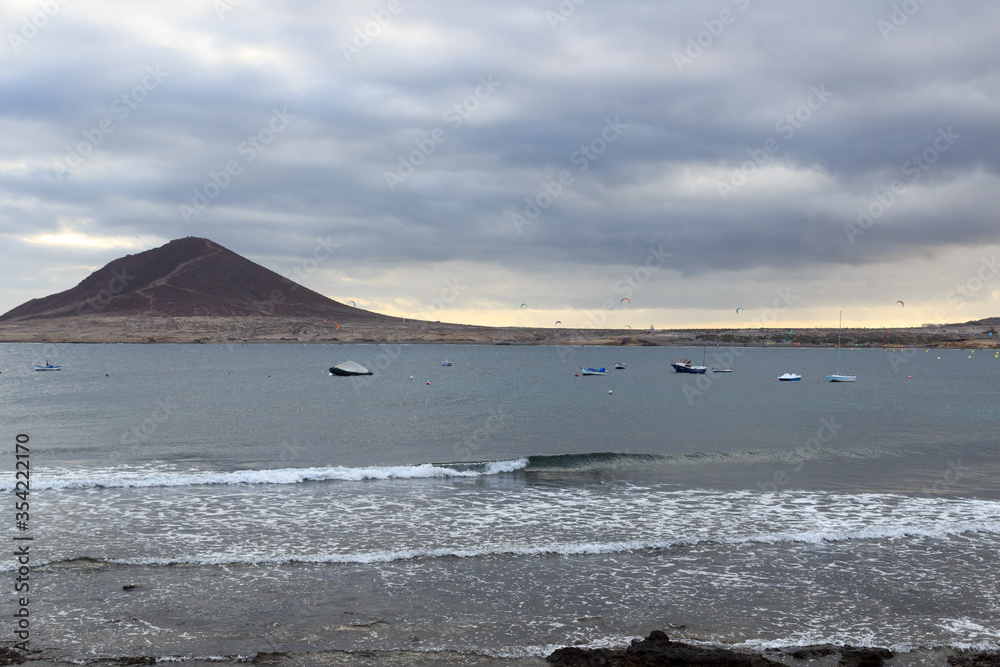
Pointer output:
x,y
837,377
789,377
349,368
722,370
619,366
47,367
593,371
446,363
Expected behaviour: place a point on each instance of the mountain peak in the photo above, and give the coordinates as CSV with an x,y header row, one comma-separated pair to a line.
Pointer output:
x,y
186,277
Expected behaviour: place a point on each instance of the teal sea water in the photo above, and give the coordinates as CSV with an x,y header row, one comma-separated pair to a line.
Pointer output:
x,y
503,506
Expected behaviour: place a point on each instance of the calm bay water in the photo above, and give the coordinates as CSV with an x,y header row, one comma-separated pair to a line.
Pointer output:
x,y
258,504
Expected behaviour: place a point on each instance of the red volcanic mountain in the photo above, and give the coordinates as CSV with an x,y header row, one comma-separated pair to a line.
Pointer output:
x,y
189,276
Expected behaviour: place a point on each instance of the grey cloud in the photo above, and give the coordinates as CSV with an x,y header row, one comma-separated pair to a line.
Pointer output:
x,y
559,82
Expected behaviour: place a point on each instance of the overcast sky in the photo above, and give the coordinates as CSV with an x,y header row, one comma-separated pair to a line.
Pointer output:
x,y
453,160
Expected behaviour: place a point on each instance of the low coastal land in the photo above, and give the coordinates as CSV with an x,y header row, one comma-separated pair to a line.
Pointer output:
x,y
109,328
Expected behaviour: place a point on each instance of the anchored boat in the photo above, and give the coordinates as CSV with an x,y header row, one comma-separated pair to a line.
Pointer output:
x,y
837,377
349,368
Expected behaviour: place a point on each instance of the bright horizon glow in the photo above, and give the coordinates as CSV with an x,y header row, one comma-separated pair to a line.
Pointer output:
x,y
641,320
78,240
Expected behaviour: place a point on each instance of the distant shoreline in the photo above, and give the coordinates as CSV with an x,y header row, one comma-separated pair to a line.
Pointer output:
x,y
231,330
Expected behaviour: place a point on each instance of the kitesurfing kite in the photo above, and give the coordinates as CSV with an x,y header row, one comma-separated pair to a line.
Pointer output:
x,y
738,310
524,305
558,322
352,304
900,303
624,299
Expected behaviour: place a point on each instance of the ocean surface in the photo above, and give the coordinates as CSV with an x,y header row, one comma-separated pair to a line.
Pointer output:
x,y
220,502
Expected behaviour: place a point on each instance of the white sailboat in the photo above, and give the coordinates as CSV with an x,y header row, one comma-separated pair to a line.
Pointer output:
x,y
837,377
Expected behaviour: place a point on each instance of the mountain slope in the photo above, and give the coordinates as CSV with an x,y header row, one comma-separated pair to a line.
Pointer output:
x,y
189,276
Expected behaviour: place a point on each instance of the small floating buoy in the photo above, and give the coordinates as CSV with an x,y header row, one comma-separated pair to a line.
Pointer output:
x,y
909,377
576,375
428,382
411,377
609,391
106,375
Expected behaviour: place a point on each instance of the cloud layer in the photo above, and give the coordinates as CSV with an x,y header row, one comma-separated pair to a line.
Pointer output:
x,y
525,152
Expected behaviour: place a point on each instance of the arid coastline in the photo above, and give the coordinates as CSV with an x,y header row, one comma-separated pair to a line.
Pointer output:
x,y
109,328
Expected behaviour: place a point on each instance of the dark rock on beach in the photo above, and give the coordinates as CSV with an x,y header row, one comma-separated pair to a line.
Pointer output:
x,y
966,659
851,656
136,660
812,652
11,656
657,649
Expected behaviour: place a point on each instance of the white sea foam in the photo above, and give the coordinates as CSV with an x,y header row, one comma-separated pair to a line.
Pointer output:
x,y
529,550
131,478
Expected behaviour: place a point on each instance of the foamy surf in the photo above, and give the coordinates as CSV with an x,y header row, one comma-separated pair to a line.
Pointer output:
x,y
124,478
531,550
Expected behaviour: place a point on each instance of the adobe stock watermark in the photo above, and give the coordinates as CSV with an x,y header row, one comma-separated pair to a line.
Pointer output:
x,y
121,108
957,297
322,252
455,115
134,438
565,9
386,356
786,126
581,158
950,478
628,286
915,168
248,150
987,270
449,294
714,28
900,16
223,7
32,25
364,34
475,440
116,285
825,434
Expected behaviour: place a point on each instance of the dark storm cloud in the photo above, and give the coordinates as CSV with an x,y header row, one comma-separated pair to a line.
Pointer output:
x,y
422,140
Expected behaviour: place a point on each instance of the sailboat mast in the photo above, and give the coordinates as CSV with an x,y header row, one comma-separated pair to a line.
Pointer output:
x,y
840,330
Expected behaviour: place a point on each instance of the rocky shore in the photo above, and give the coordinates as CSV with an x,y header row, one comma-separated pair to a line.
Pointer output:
x,y
658,649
